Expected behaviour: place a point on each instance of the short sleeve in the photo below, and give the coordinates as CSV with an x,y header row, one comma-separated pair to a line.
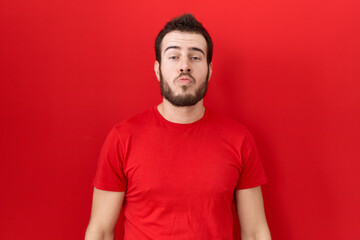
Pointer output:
x,y
252,172
110,174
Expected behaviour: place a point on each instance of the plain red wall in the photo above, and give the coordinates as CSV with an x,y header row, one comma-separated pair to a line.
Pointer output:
x,y
288,70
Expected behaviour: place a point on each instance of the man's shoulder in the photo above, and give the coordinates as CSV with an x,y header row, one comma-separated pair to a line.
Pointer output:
x,y
135,122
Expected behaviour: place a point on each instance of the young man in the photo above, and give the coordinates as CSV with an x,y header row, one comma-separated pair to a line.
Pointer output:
x,y
176,168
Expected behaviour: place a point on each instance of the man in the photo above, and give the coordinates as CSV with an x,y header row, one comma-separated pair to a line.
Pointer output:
x,y
176,168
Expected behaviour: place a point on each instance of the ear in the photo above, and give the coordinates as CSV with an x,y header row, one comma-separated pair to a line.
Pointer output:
x,y
157,70
210,70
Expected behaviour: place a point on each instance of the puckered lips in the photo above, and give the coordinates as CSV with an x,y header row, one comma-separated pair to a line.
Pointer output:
x,y
185,80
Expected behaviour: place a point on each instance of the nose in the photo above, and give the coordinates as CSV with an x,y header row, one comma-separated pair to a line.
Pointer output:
x,y
184,66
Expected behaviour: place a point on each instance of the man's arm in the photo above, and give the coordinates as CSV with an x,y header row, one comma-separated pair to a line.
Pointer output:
x,y
105,212
250,209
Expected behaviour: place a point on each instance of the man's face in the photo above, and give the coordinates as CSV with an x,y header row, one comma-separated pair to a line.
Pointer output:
x,y
183,72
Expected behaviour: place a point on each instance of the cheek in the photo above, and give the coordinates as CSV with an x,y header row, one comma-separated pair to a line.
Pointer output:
x,y
168,72
170,68
203,70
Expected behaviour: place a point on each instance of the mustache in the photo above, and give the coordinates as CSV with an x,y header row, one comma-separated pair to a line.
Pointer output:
x,y
186,74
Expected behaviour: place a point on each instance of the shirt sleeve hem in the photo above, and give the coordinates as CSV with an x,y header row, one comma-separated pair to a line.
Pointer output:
x,y
105,187
252,184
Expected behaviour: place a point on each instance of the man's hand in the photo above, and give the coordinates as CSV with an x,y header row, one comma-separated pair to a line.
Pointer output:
x,y
250,209
105,212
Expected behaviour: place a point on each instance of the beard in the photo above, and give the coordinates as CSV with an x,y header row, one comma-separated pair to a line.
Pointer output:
x,y
183,100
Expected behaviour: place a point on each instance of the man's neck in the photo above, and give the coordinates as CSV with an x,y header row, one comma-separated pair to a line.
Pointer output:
x,y
181,115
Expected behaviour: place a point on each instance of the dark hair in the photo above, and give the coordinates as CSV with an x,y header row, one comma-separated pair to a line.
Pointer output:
x,y
184,23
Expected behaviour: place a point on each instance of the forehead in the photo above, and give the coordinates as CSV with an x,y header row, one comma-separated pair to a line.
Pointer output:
x,y
184,40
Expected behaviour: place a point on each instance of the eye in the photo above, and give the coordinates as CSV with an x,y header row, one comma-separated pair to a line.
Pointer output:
x,y
172,57
196,58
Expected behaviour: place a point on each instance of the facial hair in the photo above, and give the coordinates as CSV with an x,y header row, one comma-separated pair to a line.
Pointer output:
x,y
186,99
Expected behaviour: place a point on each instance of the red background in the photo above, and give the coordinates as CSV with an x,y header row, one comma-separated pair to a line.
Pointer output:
x,y
288,70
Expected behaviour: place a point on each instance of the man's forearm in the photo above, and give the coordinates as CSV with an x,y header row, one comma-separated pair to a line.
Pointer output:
x,y
264,234
258,236
93,234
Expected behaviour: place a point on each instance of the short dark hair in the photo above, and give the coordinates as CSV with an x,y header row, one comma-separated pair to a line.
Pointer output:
x,y
184,23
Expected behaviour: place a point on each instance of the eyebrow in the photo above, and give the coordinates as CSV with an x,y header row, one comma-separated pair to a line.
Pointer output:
x,y
190,48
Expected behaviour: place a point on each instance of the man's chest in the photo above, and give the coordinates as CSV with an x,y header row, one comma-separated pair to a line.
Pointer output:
x,y
180,166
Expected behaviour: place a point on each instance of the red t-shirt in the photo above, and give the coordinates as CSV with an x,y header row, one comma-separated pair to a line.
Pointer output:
x,y
179,178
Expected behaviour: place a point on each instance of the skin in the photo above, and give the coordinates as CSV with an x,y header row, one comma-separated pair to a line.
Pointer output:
x,y
250,208
182,59
178,56
105,212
